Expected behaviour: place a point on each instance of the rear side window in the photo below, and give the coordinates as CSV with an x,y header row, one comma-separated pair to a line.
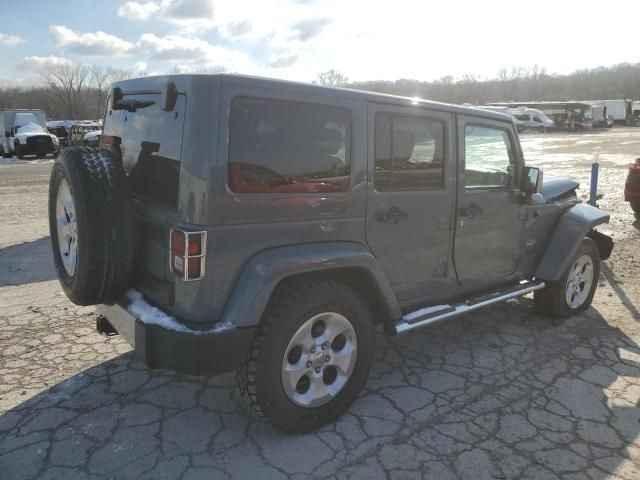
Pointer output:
x,y
288,147
409,153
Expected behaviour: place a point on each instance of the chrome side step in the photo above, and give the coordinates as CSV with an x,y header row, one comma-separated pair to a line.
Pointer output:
x,y
429,315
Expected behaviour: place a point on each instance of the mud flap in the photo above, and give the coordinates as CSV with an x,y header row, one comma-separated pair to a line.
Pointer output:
x,y
604,242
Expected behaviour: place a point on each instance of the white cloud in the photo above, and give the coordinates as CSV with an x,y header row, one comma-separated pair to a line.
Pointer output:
x,y
95,44
150,47
191,15
282,61
192,51
10,40
174,47
38,64
236,29
140,68
138,11
307,29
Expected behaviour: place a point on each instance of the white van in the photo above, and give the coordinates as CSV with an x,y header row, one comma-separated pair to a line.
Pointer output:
x,y
506,111
533,119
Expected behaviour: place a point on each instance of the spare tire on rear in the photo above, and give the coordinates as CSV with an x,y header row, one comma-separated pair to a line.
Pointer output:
x,y
91,222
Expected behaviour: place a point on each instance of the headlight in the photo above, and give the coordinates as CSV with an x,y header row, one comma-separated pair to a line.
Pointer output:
x,y
55,139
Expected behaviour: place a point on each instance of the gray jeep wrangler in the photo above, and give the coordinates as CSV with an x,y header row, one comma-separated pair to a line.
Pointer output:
x,y
237,223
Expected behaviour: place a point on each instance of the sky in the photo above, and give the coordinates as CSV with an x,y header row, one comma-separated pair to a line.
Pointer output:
x,y
297,39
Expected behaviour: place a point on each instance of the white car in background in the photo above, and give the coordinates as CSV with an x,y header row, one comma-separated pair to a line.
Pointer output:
x,y
533,119
92,138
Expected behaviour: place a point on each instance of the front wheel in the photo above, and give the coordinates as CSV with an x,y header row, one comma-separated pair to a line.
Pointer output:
x,y
635,206
573,293
310,357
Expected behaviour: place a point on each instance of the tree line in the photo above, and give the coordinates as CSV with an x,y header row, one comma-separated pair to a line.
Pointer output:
x,y
69,91
511,84
78,91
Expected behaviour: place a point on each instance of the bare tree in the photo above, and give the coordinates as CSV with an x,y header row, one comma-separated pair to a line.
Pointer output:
x,y
70,82
101,78
332,78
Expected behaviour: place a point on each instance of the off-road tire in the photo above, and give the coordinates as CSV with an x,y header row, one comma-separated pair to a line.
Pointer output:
x,y
259,378
551,300
105,225
635,206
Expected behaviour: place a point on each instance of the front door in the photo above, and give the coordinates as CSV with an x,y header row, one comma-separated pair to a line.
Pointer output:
x,y
490,215
410,200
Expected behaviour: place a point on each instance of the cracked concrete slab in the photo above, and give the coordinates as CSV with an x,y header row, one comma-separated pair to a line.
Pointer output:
x,y
501,393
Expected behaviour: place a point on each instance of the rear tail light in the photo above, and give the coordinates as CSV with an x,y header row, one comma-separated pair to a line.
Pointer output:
x,y
109,140
187,253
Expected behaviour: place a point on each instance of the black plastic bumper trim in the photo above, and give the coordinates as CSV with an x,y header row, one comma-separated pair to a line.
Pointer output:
x,y
158,347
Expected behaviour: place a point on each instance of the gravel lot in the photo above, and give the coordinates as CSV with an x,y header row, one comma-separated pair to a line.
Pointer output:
x,y
501,393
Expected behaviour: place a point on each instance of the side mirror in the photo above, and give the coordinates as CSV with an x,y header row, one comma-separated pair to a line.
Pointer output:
x,y
531,181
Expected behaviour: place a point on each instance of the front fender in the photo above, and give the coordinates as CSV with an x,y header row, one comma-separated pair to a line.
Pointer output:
x,y
262,273
569,232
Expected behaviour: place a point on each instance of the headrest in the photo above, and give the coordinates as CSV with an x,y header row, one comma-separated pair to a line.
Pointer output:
x,y
328,141
403,143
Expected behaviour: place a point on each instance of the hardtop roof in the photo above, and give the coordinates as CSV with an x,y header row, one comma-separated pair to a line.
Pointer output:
x,y
339,92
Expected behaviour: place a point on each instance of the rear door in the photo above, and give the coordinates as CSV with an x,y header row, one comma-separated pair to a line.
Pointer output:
x,y
410,198
148,139
490,215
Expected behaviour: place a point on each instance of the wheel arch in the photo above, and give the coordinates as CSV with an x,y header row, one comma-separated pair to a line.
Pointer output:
x,y
276,268
574,225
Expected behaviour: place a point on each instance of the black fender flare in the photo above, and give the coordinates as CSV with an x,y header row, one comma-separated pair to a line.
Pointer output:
x,y
571,229
265,270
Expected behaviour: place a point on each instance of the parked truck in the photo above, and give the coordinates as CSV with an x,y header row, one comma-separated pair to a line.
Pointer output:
x,y
24,132
620,110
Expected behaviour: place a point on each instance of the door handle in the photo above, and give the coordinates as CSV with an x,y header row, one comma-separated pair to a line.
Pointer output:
x,y
470,211
393,215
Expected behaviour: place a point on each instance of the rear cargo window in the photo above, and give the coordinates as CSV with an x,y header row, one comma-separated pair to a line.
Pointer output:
x,y
150,141
287,147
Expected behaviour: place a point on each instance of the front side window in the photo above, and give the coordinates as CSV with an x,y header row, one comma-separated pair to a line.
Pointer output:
x,y
488,157
286,147
409,153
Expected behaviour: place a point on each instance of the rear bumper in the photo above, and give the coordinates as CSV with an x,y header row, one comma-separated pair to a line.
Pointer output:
x,y
191,353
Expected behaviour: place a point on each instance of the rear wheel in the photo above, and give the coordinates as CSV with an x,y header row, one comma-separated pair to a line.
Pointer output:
x,y
635,206
310,357
573,293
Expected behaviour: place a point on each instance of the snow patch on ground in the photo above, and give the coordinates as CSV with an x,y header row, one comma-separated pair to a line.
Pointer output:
x,y
151,315
17,161
9,161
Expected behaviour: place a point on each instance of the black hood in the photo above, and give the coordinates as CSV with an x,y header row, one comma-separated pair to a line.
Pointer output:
x,y
553,187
